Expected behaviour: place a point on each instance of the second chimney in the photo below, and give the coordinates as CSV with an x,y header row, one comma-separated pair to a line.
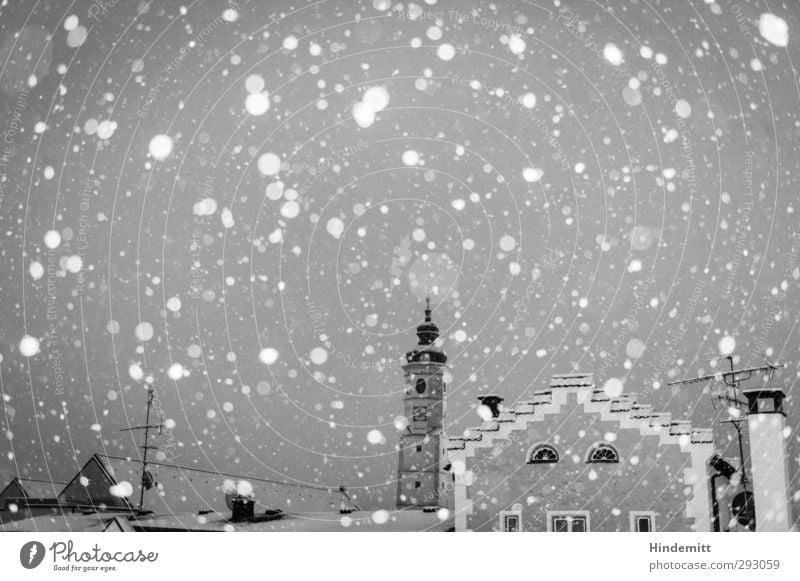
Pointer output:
x,y
492,402
243,509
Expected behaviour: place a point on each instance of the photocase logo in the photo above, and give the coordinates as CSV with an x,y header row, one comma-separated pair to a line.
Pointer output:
x,y
31,554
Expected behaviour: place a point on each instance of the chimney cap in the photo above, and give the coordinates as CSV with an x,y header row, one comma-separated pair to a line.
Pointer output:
x,y
491,397
764,399
766,391
243,509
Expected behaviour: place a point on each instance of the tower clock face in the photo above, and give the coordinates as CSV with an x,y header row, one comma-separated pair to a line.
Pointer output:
x,y
420,385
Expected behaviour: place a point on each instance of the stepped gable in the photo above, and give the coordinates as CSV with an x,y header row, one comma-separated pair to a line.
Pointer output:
x,y
624,409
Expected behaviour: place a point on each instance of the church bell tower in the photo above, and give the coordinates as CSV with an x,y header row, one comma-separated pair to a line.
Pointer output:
x,y
421,479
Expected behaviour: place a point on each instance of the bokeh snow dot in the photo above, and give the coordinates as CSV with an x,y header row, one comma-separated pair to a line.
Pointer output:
x,y
376,98
613,387
612,54
160,146
36,270
380,516
268,355
77,36
634,348
532,174
122,490
29,346
507,243
52,239
773,29
254,84
410,157
144,331
529,100
290,209
516,44
269,164
683,109
290,42
335,227
446,52
256,103
175,372
318,355
727,345
136,372
375,437
363,114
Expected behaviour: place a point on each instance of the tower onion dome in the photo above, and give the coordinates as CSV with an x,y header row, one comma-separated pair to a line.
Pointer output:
x,y
427,333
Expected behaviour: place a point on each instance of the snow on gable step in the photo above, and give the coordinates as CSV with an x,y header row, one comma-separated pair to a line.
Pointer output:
x,y
623,403
680,428
472,435
572,380
524,408
543,397
489,426
624,409
702,436
660,420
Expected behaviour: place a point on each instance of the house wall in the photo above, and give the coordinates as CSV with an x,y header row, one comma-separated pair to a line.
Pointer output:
x,y
649,477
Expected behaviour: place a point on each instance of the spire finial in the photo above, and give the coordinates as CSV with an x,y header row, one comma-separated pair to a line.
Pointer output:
x,y
428,333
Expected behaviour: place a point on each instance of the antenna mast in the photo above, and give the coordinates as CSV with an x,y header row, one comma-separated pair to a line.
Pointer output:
x,y
147,477
732,379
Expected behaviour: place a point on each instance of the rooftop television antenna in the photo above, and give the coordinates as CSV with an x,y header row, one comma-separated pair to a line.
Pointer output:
x,y
732,379
147,478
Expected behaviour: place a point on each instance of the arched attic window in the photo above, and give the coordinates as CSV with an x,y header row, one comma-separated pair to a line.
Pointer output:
x,y
602,453
542,454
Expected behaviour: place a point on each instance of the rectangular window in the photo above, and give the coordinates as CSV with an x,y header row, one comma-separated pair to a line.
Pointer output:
x,y
510,521
643,521
417,484
568,522
419,448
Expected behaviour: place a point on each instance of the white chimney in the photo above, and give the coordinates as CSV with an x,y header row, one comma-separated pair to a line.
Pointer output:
x,y
766,421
